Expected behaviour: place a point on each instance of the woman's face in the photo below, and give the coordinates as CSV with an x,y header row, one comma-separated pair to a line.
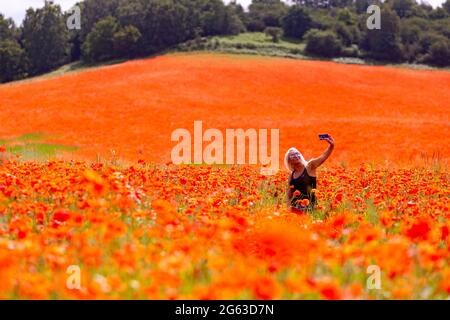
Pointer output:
x,y
295,158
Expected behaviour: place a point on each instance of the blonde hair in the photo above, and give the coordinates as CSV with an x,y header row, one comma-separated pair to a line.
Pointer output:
x,y
287,162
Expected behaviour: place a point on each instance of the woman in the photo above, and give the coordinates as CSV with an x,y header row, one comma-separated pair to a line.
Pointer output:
x,y
302,181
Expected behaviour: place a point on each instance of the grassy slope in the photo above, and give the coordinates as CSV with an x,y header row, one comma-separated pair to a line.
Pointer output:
x,y
260,44
259,38
36,146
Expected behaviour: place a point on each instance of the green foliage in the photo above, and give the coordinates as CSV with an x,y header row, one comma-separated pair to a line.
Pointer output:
x,y
347,34
438,13
384,43
239,11
322,43
216,19
346,16
446,6
427,39
440,53
322,19
126,41
145,27
99,44
403,8
442,27
361,6
274,32
351,52
95,10
255,43
162,23
7,28
13,61
296,22
266,13
131,13
232,24
410,36
45,38
34,146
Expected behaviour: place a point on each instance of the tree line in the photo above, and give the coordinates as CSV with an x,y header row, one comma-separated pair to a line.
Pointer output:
x,y
112,29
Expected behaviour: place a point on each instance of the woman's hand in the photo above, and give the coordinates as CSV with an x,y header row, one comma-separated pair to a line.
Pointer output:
x,y
317,162
330,140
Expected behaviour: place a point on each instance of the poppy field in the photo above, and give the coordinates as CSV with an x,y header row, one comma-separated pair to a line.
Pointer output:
x,y
183,232
87,186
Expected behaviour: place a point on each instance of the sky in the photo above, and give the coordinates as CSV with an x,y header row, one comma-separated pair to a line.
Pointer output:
x,y
16,8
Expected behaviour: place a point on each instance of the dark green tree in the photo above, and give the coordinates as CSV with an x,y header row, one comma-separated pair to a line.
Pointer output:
x,y
296,22
266,13
438,13
8,28
219,19
45,38
362,5
446,6
166,24
427,39
410,33
440,53
93,11
403,8
127,42
384,43
99,44
274,32
322,19
240,12
232,23
131,12
322,43
346,16
13,61
345,34
442,27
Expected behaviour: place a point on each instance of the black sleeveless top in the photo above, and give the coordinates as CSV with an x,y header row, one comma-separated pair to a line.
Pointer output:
x,y
304,183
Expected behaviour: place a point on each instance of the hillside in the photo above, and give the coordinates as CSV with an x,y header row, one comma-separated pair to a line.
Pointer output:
x,y
130,109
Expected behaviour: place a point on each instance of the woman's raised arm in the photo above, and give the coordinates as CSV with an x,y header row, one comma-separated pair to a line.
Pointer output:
x,y
317,162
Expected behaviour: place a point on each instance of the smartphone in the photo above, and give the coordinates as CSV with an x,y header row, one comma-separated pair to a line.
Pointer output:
x,y
324,136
